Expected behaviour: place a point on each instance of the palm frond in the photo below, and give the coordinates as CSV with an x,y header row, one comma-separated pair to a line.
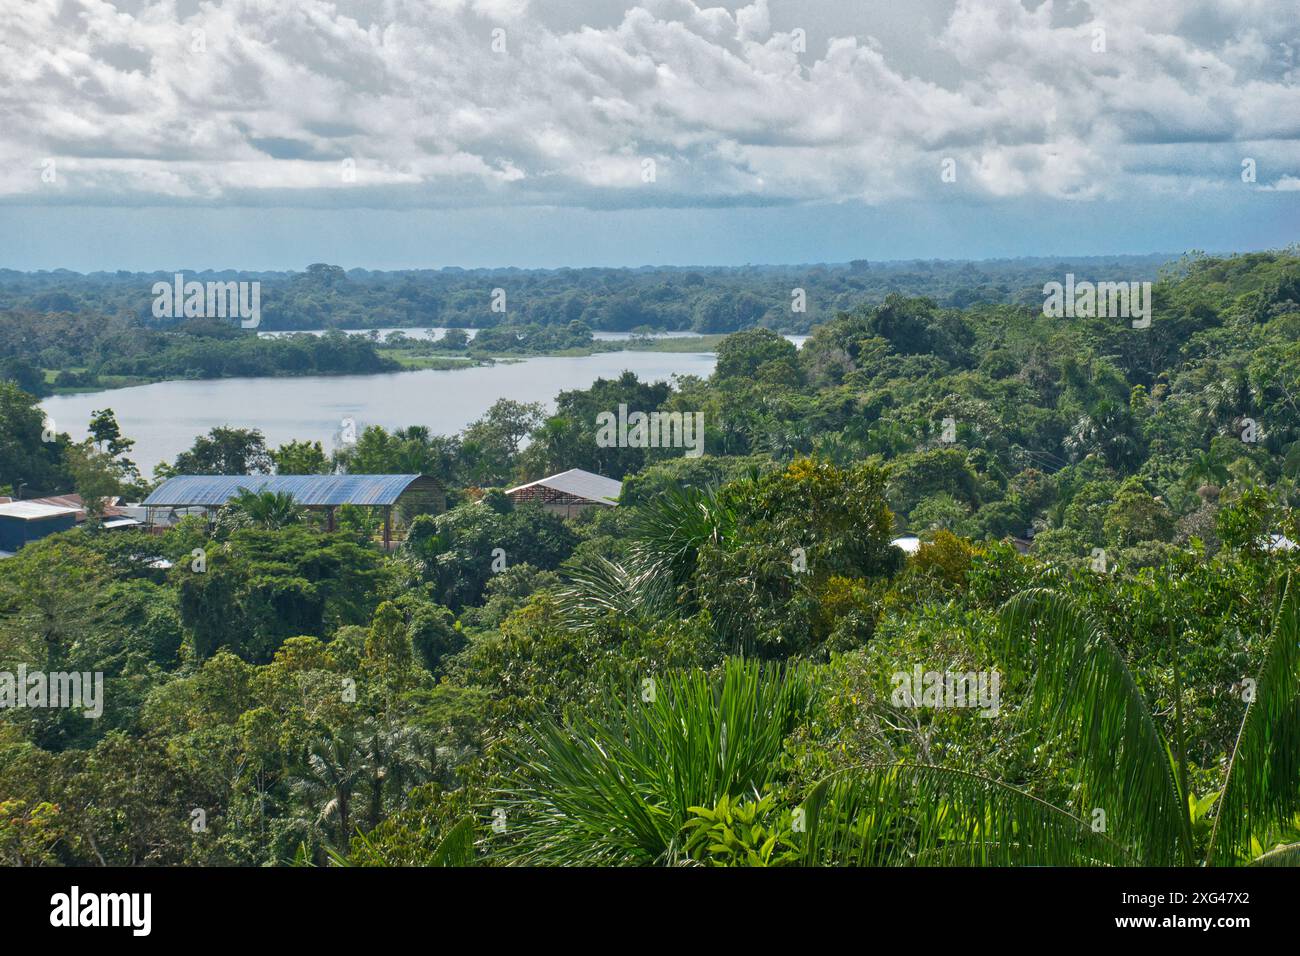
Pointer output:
x,y
1262,786
337,857
921,815
457,847
1288,855
1081,687
670,530
617,785
595,587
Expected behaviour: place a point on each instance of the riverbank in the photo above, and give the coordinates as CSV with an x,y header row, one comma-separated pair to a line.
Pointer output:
x,y
414,357
418,354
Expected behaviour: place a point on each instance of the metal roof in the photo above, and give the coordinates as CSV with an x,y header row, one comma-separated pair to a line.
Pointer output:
x,y
110,504
308,490
122,522
908,542
579,484
33,510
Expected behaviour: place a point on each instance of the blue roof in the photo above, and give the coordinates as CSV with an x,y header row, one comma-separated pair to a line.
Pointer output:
x,y
216,490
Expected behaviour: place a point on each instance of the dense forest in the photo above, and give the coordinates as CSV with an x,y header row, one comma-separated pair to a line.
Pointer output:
x,y
62,330
703,299
713,672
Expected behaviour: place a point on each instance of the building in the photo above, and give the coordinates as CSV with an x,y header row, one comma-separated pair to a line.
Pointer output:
x,y
405,495
570,492
114,514
909,543
1274,543
22,522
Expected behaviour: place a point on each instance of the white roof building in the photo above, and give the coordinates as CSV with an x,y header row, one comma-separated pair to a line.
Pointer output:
x,y
33,510
569,491
910,543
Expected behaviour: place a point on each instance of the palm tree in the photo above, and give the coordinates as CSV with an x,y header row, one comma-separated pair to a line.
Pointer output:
x,y
454,848
268,510
915,814
889,438
666,538
1206,469
617,787
327,782
396,758
1223,401
1106,430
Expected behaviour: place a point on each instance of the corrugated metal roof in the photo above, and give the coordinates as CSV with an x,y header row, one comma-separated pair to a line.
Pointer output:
x,y
580,484
33,510
110,505
216,490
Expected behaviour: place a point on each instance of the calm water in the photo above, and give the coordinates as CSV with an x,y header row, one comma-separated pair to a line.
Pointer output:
x,y
438,332
411,333
165,418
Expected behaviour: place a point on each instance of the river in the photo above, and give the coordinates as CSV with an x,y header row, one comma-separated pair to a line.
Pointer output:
x,y
164,418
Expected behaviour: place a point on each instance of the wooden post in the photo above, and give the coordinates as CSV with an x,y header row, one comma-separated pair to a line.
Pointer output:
x,y
388,526
330,518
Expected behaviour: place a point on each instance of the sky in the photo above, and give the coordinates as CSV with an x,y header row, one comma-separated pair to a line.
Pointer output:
x,y
269,134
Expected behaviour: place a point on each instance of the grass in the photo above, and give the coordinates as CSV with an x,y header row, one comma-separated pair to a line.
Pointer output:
x,y
439,363
703,343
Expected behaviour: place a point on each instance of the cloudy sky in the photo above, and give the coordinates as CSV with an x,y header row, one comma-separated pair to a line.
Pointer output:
x,y
424,133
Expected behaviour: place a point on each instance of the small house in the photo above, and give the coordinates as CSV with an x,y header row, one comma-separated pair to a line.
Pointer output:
x,y
570,492
22,522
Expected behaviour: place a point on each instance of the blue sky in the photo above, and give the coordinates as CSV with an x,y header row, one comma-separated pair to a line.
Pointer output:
x,y
392,134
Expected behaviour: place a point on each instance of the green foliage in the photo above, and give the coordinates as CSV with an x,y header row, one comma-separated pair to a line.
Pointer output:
x,y
267,510
28,835
262,586
618,786
26,459
1133,801
741,833
1262,784
744,354
752,556
329,703
223,451
300,458
459,552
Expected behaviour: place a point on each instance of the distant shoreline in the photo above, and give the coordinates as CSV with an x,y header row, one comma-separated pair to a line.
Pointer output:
x,y
407,362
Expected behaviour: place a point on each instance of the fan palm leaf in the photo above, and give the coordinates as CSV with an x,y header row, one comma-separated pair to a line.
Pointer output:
x,y
595,587
670,530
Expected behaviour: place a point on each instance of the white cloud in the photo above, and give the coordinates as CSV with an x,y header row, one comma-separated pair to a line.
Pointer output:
x,y
262,98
